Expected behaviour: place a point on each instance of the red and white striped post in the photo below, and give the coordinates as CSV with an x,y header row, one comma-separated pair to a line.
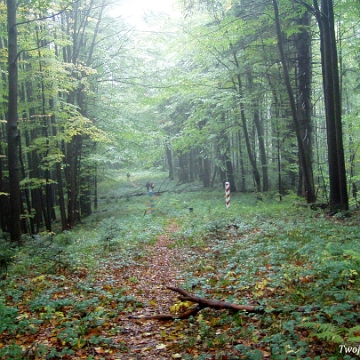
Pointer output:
x,y
227,194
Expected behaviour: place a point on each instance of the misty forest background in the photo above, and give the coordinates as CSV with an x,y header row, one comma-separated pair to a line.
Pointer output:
x,y
262,94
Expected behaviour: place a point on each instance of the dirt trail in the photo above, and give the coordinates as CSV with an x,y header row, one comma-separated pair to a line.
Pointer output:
x,y
149,339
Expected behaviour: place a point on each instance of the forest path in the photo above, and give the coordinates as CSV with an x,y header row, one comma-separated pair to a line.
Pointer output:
x,y
151,339
136,186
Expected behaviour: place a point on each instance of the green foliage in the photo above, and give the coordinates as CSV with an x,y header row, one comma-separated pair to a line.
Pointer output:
x,y
268,253
8,316
327,332
279,261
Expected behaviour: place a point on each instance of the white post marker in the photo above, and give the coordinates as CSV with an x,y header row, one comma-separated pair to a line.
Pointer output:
x,y
227,194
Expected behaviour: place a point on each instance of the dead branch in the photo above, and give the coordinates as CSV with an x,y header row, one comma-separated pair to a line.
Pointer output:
x,y
201,304
219,305
215,304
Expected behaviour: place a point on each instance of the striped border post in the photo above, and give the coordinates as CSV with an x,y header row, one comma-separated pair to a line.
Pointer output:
x,y
152,206
227,194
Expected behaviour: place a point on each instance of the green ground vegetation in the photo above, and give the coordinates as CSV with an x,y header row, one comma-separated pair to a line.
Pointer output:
x,y
301,265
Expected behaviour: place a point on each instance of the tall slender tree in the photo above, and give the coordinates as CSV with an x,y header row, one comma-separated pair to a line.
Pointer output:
x,y
12,126
305,161
329,60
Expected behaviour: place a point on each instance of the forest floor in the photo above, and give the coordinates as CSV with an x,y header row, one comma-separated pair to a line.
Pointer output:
x,y
85,294
150,338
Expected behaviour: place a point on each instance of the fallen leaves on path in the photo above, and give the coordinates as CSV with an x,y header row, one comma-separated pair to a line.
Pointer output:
x,y
80,315
153,339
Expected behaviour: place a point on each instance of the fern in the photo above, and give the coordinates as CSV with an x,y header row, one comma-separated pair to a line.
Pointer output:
x,y
353,339
354,335
327,332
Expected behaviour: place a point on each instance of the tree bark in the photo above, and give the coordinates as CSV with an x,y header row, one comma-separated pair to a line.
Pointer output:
x,y
304,67
337,172
261,137
169,159
71,172
12,126
242,166
244,126
223,147
305,162
206,174
59,177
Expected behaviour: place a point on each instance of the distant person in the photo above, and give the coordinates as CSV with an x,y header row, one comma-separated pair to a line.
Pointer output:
x,y
149,186
128,175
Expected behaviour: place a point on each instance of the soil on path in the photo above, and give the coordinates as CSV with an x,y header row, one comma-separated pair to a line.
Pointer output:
x,y
150,339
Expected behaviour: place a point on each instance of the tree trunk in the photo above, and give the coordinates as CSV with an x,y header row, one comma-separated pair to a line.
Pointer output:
x,y
58,172
3,197
304,66
261,137
230,172
169,159
242,166
337,172
244,126
12,130
192,166
206,172
72,179
305,161
183,171
223,147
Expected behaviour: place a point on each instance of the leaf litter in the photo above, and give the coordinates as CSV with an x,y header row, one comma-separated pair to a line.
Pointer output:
x,y
81,314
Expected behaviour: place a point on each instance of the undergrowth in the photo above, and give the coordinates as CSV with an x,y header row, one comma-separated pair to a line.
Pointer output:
x,y
300,265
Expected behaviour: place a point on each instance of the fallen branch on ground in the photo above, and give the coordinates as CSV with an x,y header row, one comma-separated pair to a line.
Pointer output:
x,y
202,303
215,304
